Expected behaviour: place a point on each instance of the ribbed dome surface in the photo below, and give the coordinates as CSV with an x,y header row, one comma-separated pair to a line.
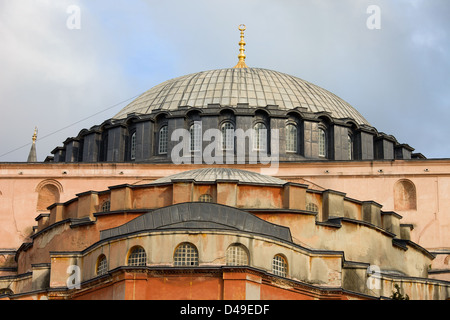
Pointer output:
x,y
214,174
228,87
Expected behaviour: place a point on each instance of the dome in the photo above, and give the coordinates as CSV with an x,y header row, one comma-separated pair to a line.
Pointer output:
x,y
256,86
214,174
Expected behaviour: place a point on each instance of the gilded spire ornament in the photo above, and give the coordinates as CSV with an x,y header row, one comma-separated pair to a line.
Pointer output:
x,y
32,157
241,56
35,135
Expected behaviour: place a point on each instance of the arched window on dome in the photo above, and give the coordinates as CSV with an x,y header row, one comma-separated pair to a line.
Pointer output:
x,y
133,146
137,257
322,143
102,265
312,207
291,138
237,255
185,254
195,137
260,137
205,198
227,133
163,140
350,147
279,265
106,206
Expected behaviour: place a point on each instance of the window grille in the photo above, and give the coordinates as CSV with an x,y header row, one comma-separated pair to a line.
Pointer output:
x,y
106,206
312,207
227,136
102,265
350,147
137,257
291,138
322,143
195,132
163,140
279,266
133,146
259,137
205,198
186,255
237,256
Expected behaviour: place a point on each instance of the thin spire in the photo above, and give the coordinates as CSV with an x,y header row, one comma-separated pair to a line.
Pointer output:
x,y
32,155
241,56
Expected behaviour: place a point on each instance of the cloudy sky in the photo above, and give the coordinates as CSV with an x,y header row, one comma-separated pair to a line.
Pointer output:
x,y
66,65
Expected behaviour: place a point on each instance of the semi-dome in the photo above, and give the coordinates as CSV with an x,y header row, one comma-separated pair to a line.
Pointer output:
x,y
256,86
215,174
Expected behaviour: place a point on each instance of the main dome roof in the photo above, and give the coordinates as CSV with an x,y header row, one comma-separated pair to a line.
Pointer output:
x,y
256,86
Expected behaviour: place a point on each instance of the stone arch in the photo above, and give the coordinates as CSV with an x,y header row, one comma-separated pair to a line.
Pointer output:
x,y
48,193
405,197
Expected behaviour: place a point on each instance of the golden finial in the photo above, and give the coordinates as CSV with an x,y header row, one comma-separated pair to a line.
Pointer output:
x,y
241,56
35,134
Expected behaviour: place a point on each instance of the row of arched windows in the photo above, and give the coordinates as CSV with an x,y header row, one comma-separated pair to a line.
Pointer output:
x,y
163,139
186,254
323,145
106,205
260,141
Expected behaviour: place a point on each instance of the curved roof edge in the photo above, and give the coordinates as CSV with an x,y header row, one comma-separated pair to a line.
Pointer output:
x,y
199,215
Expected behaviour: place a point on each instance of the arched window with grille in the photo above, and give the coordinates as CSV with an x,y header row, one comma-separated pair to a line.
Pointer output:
x,y
133,146
291,138
260,137
322,143
279,266
163,140
350,147
227,133
195,137
312,207
185,254
237,255
102,265
205,198
106,206
137,257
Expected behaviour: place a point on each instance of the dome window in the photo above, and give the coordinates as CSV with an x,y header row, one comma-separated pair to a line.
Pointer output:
x,y
322,143
102,265
186,254
195,137
106,206
163,139
227,131
312,207
350,147
279,266
237,255
133,146
260,137
137,257
205,198
291,138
